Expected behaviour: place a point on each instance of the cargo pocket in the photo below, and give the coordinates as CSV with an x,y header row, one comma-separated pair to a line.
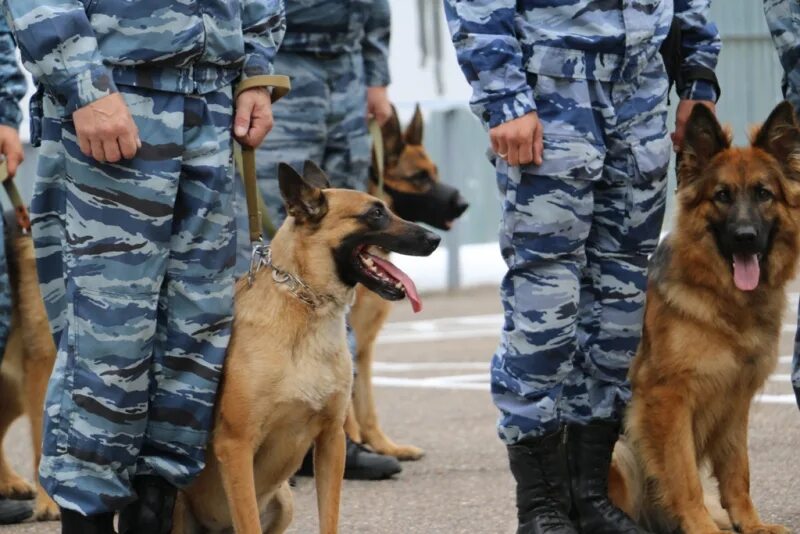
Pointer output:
x,y
548,207
110,366
647,195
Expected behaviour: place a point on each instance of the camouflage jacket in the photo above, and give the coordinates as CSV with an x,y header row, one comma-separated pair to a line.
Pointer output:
x,y
337,26
783,19
12,82
80,49
499,42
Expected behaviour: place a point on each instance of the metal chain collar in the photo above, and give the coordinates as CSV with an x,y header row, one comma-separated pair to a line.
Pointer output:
x,y
261,256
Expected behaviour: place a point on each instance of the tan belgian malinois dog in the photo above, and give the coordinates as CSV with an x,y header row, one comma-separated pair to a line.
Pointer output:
x,y
412,190
27,363
287,378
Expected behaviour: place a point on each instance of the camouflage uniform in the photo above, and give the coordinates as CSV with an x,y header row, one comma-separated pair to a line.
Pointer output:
x,y
333,50
12,88
576,230
783,19
136,259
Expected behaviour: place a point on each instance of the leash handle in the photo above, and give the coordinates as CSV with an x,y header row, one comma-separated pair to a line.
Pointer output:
x,y
378,151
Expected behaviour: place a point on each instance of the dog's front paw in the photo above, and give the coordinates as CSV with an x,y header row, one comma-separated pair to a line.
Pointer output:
x,y
765,529
14,486
46,509
406,452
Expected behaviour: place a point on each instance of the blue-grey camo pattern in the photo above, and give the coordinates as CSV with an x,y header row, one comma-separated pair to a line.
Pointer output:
x,y
81,49
136,262
359,27
499,42
323,119
576,233
783,19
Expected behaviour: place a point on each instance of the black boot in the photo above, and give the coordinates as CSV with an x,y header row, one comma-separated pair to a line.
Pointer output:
x,y
589,449
360,464
151,512
76,523
12,511
539,467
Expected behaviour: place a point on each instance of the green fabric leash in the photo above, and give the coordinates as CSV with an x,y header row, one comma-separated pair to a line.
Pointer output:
x,y
378,151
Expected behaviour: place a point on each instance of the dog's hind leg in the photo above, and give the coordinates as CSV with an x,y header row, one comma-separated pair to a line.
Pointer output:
x,y
329,452
11,483
366,318
280,511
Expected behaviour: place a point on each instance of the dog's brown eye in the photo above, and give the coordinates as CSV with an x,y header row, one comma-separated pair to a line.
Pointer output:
x,y
723,196
763,194
376,213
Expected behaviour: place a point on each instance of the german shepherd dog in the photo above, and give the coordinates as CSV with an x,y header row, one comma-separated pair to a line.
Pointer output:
x,y
287,378
413,191
29,357
715,302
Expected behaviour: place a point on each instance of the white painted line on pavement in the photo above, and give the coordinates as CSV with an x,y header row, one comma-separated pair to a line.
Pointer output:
x,y
402,367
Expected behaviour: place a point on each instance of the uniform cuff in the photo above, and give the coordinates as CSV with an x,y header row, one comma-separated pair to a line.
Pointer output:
x,y
504,109
86,87
10,113
700,90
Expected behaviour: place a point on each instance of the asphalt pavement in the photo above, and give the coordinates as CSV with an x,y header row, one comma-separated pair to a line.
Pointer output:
x,y
432,391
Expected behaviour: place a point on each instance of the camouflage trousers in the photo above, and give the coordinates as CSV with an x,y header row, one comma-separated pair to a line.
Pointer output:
x,y
783,19
5,288
323,119
576,234
136,266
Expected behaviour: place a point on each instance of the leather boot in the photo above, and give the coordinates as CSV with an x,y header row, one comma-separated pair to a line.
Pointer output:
x,y
151,512
75,523
539,467
589,449
12,511
360,464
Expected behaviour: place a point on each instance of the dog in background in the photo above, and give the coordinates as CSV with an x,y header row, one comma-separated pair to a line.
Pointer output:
x,y
413,191
715,301
27,363
287,378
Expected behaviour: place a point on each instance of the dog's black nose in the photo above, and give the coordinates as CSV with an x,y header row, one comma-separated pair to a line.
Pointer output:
x,y
431,241
458,206
745,234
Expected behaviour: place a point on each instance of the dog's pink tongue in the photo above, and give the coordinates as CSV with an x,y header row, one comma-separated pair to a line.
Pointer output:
x,y
746,272
403,278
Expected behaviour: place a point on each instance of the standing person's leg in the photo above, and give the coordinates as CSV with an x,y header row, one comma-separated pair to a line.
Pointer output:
x,y
783,19
195,311
629,209
117,228
547,214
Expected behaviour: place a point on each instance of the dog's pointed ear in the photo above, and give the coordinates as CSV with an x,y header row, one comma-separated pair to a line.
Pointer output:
x,y
392,137
414,131
305,202
315,176
703,139
780,137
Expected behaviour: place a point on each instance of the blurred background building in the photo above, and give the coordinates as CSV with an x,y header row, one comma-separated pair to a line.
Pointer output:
x,y
424,70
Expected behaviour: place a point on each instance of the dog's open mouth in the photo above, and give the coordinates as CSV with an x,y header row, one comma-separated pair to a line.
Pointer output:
x,y
746,271
387,279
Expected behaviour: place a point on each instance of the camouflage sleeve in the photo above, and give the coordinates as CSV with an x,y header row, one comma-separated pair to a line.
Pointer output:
x,y
263,26
59,47
491,58
12,82
783,19
377,31
700,44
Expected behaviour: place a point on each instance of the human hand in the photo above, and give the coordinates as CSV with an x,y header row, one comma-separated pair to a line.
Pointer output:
x,y
682,116
253,120
106,131
519,141
11,148
378,105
